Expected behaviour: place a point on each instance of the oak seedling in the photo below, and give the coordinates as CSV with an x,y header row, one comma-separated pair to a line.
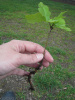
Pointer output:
x,y
43,15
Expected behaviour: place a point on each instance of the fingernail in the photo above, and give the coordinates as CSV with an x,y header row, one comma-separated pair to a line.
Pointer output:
x,y
39,56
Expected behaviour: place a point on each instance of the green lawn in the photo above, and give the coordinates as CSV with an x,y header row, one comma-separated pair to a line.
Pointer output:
x,y
57,81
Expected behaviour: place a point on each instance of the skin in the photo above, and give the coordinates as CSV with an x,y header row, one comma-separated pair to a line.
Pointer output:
x,y
16,53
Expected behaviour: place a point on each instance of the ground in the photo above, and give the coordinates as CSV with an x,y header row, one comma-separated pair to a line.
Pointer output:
x,y
72,2
57,81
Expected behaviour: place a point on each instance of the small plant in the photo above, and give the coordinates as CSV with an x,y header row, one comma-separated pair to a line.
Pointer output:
x,y
44,16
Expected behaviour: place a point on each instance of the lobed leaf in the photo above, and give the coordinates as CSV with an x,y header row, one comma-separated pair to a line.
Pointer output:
x,y
59,22
64,27
53,21
61,14
44,10
44,16
35,18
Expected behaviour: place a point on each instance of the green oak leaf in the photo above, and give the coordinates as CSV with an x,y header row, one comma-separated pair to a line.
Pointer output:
x,y
44,10
35,18
59,22
61,14
44,16
53,21
56,19
65,28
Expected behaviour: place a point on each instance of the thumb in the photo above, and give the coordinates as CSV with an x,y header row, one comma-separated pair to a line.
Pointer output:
x,y
29,58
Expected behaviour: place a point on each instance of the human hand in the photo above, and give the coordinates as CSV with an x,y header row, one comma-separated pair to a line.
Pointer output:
x,y
17,52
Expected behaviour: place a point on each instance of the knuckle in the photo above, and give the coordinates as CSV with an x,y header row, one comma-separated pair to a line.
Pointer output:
x,y
13,41
19,59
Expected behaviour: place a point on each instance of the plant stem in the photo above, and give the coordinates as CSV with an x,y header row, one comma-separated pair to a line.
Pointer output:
x,y
40,63
47,39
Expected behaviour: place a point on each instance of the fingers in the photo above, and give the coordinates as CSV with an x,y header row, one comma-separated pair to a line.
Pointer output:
x,y
31,60
28,59
48,57
17,71
41,67
1,77
20,72
8,74
27,46
45,64
32,65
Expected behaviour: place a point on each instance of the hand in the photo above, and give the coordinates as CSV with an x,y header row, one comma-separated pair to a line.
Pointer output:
x,y
17,52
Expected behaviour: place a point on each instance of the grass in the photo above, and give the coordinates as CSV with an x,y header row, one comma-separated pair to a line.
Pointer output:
x,y
20,95
57,81
53,81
